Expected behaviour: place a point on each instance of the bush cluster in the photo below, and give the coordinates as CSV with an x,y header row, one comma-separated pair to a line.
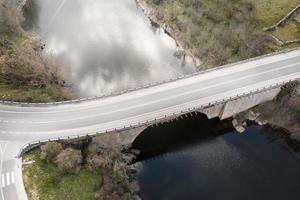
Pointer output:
x,y
24,72
67,160
217,31
70,156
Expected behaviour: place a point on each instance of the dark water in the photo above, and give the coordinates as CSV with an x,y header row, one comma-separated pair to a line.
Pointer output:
x,y
109,45
217,163
105,45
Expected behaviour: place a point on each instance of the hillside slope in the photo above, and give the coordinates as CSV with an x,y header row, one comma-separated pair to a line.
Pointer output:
x,y
25,75
220,32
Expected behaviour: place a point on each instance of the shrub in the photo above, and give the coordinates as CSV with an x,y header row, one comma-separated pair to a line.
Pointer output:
x,y
297,115
95,161
287,89
26,75
217,32
50,150
8,20
69,161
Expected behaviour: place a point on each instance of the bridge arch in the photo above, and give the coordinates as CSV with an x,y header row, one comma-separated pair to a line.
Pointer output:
x,y
182,131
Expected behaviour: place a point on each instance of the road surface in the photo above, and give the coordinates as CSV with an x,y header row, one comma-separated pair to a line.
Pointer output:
x,y
20,124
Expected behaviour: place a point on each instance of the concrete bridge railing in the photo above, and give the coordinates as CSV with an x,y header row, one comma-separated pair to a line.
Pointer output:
x,y
153,121
144,86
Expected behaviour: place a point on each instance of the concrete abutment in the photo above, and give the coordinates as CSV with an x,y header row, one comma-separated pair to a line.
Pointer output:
x,y
223,111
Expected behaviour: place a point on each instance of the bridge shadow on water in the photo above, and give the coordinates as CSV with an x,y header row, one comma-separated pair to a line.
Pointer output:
x,y
170,136
196,158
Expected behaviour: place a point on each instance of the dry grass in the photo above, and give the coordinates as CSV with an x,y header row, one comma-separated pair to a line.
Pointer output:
x,y
24,74
290,31
218,32
268,12
297,18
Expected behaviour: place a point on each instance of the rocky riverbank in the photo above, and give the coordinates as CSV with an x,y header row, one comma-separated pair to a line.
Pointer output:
x,y
217,33
156,20
284,111
286,105
280,114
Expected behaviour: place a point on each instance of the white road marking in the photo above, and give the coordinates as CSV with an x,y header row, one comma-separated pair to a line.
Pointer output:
x,y
228,70
107,126
7,179
1,167
150,102
12,177
3,180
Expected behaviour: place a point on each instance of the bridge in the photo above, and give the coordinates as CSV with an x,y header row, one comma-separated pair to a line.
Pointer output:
x,y
221,92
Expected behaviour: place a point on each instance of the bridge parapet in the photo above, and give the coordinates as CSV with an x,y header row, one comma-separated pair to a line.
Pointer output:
x,y
74,101
223,109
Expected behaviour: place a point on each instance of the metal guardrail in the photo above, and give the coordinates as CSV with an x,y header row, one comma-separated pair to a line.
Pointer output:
x,y
145,86
33,144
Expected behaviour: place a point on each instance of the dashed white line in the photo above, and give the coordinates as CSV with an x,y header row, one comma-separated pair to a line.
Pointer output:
x,y
7,179
148,103
3,181
12,177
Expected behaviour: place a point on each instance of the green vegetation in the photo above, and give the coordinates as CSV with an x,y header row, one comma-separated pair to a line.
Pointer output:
x,y
217,31
50,150
223,31
69,161
24,74
78,170
288,89
44,181
269,12
284,111
297,18
288,32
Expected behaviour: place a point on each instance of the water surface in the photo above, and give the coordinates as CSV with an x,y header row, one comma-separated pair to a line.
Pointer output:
x,y
215,165
105,45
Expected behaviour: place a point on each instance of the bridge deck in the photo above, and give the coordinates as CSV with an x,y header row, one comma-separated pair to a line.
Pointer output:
x,y
99,115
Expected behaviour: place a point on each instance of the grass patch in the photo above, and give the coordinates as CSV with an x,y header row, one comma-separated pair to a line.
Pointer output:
x,y
297,18
25,75
51,93
269,12
290,31
43,181
218,32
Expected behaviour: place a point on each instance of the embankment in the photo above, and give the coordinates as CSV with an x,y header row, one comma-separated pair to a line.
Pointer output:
x,y
224,32
26,75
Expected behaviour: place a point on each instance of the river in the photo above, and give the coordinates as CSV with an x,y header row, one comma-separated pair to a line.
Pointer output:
x,y
196,159
109,45
105,45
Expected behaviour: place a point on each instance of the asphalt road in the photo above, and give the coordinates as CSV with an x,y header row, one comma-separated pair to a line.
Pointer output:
x,y
108,113
20,124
